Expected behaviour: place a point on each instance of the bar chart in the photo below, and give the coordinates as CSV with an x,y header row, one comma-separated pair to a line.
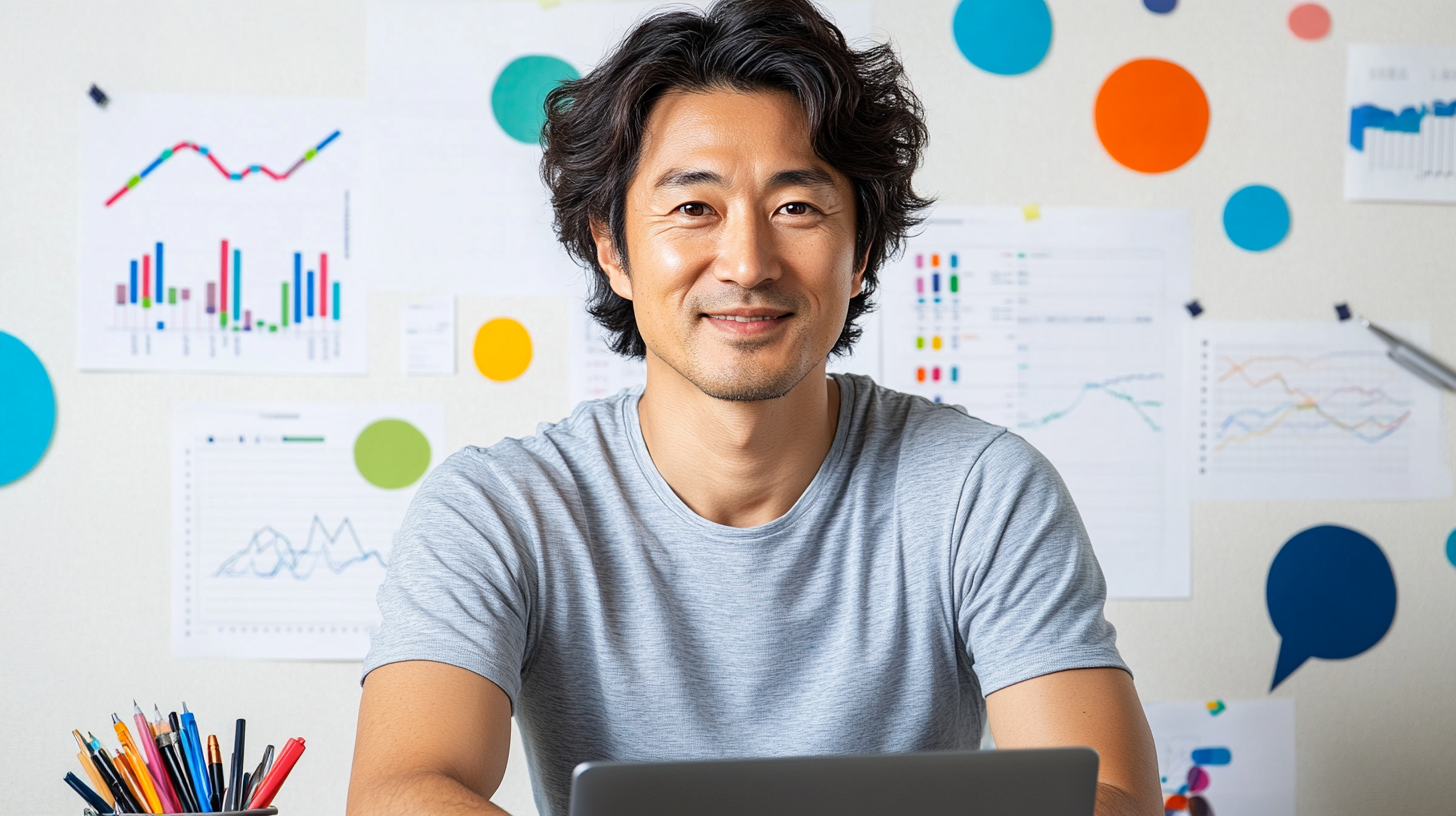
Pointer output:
x,y
192,272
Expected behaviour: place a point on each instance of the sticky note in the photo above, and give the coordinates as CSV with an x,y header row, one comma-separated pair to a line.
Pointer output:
x,y
1031,212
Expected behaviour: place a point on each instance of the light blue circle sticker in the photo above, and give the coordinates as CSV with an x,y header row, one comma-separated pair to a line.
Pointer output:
x,y
1004,37
27,409
518,99
1451,548
1256,218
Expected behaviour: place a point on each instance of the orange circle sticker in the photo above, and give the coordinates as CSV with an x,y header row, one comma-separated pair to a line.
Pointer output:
x,y
502,349
1152,115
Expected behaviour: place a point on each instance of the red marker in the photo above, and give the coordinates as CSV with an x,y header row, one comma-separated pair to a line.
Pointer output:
x,y
292,750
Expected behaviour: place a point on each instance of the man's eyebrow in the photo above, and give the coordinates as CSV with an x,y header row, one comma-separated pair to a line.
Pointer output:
x,y
686,178
809,177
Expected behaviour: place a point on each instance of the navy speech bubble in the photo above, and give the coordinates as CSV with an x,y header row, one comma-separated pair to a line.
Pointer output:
x,y
1331,595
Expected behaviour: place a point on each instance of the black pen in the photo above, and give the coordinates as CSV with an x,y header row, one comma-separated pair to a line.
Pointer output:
x,y
235,772
179,746
214,772
167,747
119,792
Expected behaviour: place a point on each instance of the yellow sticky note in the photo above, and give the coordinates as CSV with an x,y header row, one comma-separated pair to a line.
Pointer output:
x,y
1031,212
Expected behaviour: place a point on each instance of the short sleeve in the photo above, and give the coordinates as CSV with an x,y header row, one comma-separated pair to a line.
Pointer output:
x,y
458,588
1029,591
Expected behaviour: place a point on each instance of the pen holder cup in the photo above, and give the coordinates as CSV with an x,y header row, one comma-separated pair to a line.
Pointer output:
x,y
267,811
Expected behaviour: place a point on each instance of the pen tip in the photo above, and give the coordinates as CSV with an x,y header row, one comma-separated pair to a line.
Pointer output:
x,y
184,708
115,718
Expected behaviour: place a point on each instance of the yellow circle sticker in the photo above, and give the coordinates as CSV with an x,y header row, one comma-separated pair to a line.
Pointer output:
x,y
502,349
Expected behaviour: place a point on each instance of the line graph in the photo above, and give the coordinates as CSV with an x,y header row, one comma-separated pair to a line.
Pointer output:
x,y
1117,390
205,152
1312,411
270,553
1368,414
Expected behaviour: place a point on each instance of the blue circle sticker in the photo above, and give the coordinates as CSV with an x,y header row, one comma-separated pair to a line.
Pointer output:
x,y
1160,6
518,99
1256,218
27,409
1004,37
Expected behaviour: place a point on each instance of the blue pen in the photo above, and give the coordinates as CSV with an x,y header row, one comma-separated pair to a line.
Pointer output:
x,y
196,761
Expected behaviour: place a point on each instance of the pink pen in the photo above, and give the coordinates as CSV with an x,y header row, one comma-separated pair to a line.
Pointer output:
x,y
154,763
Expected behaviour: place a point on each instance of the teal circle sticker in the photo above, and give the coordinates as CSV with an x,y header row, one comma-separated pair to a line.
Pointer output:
x,y
1256,218
518,99
27,409
1004,37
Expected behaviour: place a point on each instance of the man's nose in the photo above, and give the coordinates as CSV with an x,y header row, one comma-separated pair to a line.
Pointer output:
x,y
747,253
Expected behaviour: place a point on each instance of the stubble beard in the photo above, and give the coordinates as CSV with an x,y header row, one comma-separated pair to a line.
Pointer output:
x,y
746,380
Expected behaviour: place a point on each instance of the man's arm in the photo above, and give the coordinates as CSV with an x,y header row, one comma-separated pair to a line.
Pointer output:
x,y
1097,708
433,739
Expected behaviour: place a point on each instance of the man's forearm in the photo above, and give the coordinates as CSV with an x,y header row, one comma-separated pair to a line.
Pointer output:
x,y
1114,801
425,793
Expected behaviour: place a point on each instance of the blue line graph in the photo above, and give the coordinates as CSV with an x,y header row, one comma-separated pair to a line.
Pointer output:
x,y
1114,388
270,553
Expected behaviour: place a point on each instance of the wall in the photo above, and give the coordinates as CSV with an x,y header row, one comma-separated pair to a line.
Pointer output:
x,y
85,538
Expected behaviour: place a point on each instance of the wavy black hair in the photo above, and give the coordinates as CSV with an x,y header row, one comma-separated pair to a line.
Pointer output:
x,y
864,120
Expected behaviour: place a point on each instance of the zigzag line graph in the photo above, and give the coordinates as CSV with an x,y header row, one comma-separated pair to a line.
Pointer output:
x,y
202,150
1113,388
1366,413
270,553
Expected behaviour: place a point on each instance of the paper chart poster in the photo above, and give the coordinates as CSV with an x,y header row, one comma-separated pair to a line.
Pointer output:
x,y
1067,330
1401,111
1225,757
283,521
1311,411
217,235
455,92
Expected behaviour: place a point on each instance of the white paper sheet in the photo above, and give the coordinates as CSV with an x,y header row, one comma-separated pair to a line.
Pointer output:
x,y
1400,144
427,336
197,193
1312,411
1067,330
279,542
462,200
1239,760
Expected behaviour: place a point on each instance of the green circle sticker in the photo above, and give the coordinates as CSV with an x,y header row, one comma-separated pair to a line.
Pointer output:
x,y
391,454
518,99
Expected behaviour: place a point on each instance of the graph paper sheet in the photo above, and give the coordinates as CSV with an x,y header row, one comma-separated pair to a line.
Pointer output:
x,y
1236,756
1312,411
454,165
279,541
216,235
1066,329
1401,111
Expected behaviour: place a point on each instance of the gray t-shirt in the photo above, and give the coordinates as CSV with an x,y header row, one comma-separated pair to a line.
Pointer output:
x,y
933,559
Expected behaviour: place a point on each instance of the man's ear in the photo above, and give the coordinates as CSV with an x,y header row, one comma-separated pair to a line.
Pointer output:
x,y
859,274
608,260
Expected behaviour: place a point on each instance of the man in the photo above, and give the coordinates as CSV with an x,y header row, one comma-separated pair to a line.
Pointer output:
x,y
745,558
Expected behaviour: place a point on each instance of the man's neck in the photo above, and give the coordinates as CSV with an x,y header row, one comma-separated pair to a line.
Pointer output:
x,y
739,464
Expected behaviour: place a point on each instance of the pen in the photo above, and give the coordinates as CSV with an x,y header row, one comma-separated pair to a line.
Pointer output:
x,y
1414,360
235,771
214,771
128,778
144,776
109,777
90,768
287,757
154,764
172,726
196,762
257,777
92,797
118,770
167,747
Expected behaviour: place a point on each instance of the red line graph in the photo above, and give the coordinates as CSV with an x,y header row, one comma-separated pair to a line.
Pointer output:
x,y
1302,401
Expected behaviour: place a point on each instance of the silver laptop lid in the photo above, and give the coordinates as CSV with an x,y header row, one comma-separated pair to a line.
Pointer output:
x,y
1044,782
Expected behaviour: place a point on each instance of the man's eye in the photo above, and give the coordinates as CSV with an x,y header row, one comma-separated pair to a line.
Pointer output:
x,y
693,209
796,208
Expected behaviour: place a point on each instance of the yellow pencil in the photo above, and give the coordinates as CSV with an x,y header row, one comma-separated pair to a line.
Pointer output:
x,y
96,779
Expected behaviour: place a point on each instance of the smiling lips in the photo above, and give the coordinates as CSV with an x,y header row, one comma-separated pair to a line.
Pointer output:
x,y
747,323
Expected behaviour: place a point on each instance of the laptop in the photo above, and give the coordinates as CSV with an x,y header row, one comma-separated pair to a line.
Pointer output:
x,y
1041,782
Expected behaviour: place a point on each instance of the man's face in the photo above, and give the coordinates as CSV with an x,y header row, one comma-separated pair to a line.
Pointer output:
x,y
740,242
